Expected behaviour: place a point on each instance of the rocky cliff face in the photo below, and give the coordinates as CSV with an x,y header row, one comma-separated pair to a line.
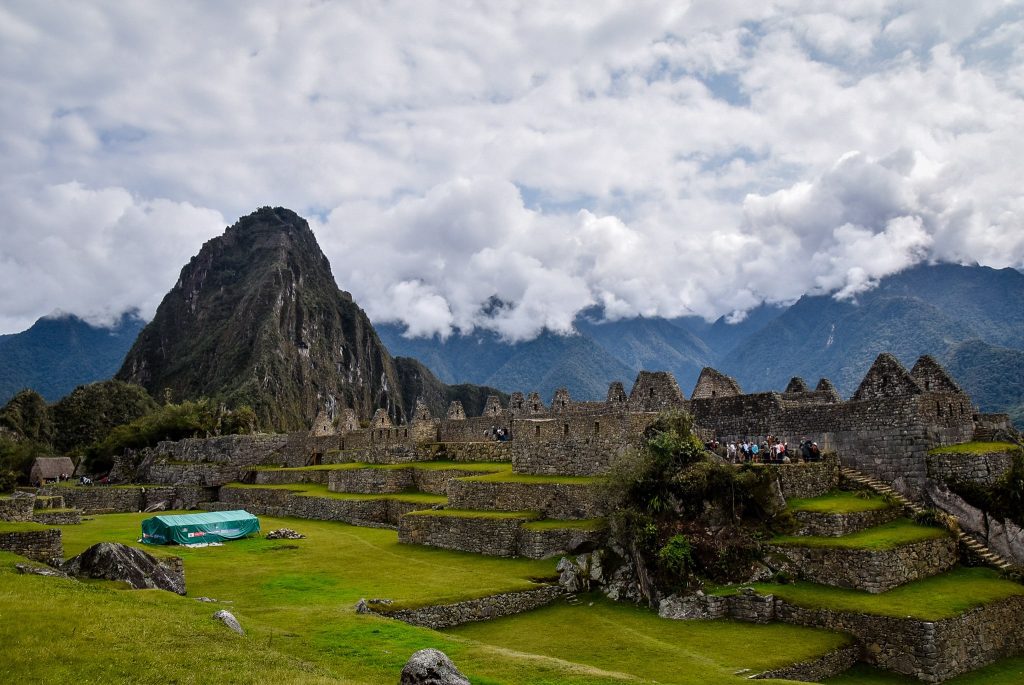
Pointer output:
x,y
256,318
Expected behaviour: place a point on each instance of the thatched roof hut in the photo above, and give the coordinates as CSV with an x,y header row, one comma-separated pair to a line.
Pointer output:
x,y
50,468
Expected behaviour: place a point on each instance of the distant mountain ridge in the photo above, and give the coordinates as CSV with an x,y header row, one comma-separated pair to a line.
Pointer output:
x,y
968,317
58,353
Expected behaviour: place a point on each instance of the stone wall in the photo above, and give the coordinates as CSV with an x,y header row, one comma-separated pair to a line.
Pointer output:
x,y
58,517
575,445
552,500
16,508
288,477
831,524
100,499
816,670
375,512
109,499
443,616
932,651
871,570
395,480
550,542
982,469
811,479
39,545
493,536
487,450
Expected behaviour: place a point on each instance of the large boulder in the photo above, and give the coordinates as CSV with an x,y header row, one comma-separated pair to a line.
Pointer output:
x,y
431,667
114,561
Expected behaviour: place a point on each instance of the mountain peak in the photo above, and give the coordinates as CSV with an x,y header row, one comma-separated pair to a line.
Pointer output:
x,y
256,318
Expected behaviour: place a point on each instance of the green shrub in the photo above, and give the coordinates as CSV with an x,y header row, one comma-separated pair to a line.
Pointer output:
x,y
675,559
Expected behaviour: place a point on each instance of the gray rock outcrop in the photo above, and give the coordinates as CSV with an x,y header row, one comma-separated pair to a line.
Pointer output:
x,y
431,667
114,561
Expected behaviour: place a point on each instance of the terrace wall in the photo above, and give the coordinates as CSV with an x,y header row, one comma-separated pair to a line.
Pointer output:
x,y
39,545
982,469
831,524
483,609
552,500
493,536
16,508
871,570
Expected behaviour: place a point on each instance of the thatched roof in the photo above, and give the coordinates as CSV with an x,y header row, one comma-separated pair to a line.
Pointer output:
x,y
51,468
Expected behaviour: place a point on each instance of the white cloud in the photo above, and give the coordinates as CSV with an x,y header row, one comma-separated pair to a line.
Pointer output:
x,y
652,158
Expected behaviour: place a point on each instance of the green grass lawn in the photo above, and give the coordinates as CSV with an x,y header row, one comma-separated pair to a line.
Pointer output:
x,y
887,536
839,502
625,639
296,600
974,448
931,599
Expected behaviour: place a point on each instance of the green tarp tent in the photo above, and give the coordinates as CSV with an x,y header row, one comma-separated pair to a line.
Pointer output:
x,y
195,529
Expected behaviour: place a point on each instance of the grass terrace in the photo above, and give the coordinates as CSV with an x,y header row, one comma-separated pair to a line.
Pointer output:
x,y
21,526
974,448
562,524
887,536
839,502
477,514
626,640
931,599
510,477
481,466
320,490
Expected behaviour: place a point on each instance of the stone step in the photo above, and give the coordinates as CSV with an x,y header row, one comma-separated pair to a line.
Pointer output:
x,y
969,541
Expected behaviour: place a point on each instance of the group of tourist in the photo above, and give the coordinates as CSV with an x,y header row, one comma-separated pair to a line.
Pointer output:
x,y
770,450
499,434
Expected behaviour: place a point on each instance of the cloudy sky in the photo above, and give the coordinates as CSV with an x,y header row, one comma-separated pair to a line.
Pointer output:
x,y
653,158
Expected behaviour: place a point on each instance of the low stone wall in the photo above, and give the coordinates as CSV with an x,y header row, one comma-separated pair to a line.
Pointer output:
x,y
542,544
48,502
100,499
816,670
932,651
16,508
490,450
831,524
58,517
812,479
371,481
494,536
483,609
377,513
553,500
174,473
265,477
982,469
873,571
39,545
104,499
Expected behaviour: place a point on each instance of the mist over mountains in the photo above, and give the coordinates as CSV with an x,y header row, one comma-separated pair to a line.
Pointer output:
x,y
256,317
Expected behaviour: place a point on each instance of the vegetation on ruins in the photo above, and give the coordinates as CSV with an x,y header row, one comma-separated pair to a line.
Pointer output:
x,y
684,515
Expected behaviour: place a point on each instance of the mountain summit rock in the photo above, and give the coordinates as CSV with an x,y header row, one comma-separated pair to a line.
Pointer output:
x,y
256,318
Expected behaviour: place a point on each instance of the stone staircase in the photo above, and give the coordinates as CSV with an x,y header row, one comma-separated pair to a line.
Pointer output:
x,y
975,547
